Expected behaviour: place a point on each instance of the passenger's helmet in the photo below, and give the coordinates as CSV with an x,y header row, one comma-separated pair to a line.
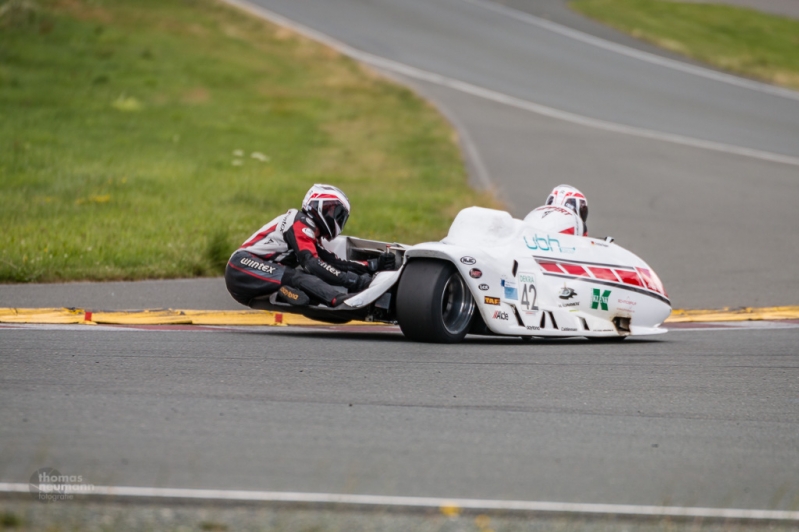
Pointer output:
x,y
569,197
328,207
556,219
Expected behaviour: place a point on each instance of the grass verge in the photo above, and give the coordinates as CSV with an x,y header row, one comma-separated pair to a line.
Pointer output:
x,y
743,41
149,138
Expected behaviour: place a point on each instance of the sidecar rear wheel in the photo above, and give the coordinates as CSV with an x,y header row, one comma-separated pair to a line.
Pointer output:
x,y
433,302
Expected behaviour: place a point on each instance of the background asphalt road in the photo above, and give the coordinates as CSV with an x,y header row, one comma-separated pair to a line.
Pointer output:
x,y
194,294
694,418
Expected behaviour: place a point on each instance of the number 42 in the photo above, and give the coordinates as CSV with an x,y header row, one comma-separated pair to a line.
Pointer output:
x,y
529,303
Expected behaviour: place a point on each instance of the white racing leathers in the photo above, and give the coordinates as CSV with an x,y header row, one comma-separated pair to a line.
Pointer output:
x,y
269,242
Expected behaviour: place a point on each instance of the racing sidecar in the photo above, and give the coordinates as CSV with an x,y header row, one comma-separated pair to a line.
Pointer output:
x,y
496,275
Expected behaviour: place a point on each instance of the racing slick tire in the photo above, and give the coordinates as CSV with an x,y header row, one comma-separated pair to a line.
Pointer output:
x,y
433,302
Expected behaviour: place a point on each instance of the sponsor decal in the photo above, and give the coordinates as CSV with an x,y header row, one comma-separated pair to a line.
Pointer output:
x,y
547,244
289,294
309,232
554,208
491,300
566,292
568,329
474,273
329,268
600,299
468,260
257,265
630,305
483,287
499,315
533,328
528,291
510,289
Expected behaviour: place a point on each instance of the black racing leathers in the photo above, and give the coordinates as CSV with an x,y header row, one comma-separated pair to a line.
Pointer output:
x,y
326,265
289,241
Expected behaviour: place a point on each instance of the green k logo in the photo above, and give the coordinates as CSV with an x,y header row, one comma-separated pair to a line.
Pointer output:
x,y
598,299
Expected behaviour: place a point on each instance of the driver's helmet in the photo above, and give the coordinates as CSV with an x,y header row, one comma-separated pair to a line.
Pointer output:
x,y
570,198
328,207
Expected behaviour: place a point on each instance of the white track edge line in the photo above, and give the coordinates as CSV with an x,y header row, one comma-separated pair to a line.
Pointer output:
x,y
467,143
489,94
632,52
483,176
424,502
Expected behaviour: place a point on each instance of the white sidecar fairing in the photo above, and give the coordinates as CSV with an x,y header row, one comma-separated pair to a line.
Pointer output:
x,y
529,283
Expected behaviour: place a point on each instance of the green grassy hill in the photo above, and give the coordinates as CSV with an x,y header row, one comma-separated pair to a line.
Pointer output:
x,y
149,138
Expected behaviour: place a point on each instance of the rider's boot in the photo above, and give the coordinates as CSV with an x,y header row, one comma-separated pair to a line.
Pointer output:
x,y
315,287
338,301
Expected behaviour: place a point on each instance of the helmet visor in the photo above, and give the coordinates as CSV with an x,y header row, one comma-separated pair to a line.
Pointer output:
x,y
579,206
336,215
584,211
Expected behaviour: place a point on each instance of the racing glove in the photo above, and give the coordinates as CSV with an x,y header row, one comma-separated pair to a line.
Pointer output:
x,y
386,261
358,283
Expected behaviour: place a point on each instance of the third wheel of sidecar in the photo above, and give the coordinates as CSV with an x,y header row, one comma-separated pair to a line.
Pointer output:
x,y
433,302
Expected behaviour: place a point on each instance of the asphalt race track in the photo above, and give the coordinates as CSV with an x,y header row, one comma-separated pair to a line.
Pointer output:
x,y
695,172
695,418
